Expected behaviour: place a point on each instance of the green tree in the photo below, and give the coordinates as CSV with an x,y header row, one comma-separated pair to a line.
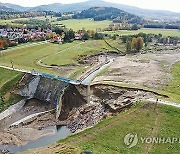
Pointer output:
x,y
137,44
134,27
85,36
114,37
98,36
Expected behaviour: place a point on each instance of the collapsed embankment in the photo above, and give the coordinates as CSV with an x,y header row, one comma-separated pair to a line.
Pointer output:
x,y
105,101
75,112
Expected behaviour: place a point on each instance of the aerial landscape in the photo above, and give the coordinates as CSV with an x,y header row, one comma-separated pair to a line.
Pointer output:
x,y
89,77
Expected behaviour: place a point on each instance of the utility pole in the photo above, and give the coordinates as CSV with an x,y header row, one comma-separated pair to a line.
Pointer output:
x,y
156,104
12,64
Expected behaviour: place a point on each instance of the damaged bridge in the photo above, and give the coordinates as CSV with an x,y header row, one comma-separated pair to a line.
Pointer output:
x,y
47,88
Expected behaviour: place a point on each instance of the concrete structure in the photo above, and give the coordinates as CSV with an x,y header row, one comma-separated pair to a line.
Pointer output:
x,y
30,88
46,88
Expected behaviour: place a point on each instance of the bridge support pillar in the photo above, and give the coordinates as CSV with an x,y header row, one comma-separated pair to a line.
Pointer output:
x,y
88,93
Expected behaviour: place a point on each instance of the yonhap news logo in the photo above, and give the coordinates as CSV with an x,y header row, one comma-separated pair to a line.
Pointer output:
x,y
132,139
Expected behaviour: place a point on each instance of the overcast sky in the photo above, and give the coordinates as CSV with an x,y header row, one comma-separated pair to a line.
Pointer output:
x,y
171,5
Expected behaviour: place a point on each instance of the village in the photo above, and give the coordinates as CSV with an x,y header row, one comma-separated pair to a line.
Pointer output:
x,y
10,37
17,36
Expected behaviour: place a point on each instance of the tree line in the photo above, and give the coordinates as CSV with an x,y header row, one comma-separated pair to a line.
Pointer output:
x,y
134,43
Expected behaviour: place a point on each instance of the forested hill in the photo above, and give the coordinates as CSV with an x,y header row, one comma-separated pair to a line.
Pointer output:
x,y
108,13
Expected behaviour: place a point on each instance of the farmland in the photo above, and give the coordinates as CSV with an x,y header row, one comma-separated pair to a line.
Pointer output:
x,y
164,32
10,21
88,24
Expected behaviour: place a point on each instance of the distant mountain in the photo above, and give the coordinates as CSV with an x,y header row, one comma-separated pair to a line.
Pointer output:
x,y
17,7
108,13
58,7
100,3
3,7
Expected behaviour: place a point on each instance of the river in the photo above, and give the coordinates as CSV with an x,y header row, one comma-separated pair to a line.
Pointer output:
x,y
61,132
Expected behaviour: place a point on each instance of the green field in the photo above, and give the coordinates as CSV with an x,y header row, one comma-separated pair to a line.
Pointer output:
x,y
52,54
27,58
88,24
74,24
8,79
164,32
70,56
10,21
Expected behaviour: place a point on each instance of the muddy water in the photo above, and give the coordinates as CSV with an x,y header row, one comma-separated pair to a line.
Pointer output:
x,y
61,132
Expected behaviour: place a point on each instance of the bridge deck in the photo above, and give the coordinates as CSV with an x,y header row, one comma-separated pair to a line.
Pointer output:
x,y
67,80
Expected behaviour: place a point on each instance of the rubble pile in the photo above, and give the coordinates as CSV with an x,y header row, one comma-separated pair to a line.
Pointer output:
x,y
86,116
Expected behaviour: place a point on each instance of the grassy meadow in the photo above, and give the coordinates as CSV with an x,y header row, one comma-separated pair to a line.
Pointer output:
x,y
164,32
71,55
10,21
88,24
26,58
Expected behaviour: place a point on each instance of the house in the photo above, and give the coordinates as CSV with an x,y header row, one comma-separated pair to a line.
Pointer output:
x,y
13,41
56,39
78,36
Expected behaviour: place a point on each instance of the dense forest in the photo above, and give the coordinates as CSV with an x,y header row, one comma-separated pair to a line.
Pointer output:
x,y
108,13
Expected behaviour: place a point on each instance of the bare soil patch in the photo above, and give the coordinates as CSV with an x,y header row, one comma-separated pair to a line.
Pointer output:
x,y
149,70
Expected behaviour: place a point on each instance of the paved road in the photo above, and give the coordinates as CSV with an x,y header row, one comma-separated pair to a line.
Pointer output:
x,y
15,69
91,76
164,102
